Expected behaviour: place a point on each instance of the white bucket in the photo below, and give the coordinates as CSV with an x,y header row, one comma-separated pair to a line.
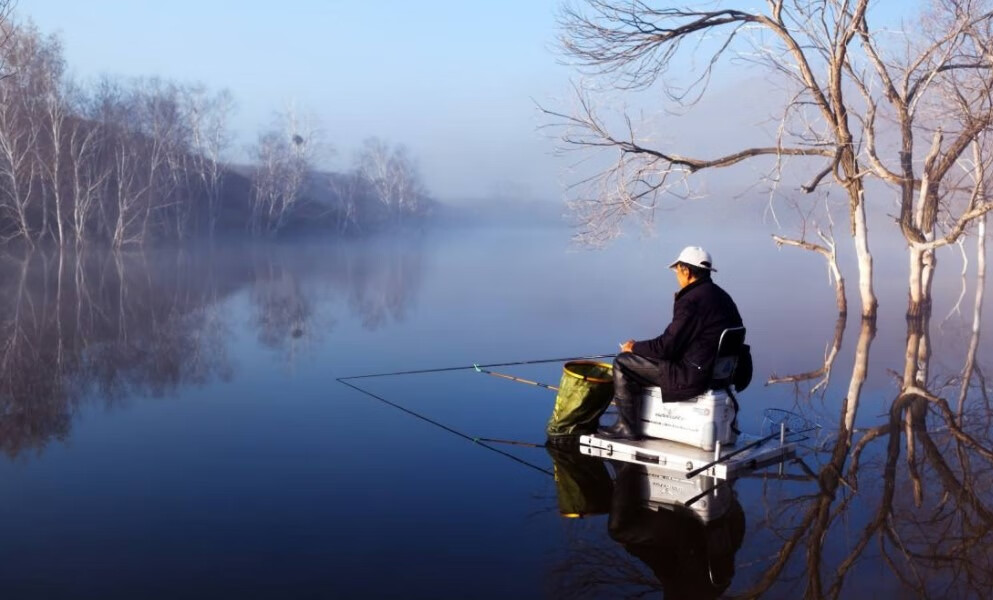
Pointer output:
x,y
701,421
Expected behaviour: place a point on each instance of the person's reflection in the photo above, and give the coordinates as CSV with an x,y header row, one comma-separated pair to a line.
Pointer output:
x,y
690,552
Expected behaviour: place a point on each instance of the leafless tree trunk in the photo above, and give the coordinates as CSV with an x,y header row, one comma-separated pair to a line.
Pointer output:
x,y
977,317
830,254
18,142
827,48
347,189
129,196
979,173
824,372
633,45
208,127
89,177
17,170
56,120
393,176
285,156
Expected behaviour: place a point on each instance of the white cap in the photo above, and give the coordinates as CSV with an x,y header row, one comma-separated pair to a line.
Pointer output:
x,y
696,256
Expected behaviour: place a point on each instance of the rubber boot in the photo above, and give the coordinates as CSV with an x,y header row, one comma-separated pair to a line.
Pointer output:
x,y
626,427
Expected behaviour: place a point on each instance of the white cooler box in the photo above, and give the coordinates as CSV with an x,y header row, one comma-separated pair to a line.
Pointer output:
x,y
702,421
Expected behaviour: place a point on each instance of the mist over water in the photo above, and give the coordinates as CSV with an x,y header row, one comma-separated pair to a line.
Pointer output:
x,y
171,424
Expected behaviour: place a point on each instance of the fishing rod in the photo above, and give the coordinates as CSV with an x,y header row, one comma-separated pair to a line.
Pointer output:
x,y
518,379
808,475
475,366
691,501
785,435
790,427
477,441
511,442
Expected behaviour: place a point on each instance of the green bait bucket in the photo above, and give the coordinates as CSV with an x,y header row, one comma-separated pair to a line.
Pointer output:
x,y
585,391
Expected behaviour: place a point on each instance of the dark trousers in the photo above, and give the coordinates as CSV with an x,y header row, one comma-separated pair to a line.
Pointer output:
x,y
632,374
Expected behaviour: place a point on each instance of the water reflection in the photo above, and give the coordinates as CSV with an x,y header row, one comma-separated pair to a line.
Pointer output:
x,y
691,553
820,376
112,327
911,494
690,550
914,488
282,311
896,502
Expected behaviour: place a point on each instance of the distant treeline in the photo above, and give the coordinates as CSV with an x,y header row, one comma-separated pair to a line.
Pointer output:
x,y
132,162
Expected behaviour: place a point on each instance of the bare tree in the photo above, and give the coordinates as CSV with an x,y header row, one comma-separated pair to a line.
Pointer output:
x,y
979,173
284,154
938,91
131,161
53,165
393,176
822,373
825,49
161,130
35,66
87,174
208,116
827,248
348,189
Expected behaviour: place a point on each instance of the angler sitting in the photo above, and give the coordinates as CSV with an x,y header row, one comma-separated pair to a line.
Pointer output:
x,y
681,359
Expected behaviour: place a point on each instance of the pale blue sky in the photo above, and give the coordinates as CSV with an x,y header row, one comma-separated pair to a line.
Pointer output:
x,y
453,80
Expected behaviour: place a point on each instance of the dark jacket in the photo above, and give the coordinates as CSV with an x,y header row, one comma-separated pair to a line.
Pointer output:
x,y
687,347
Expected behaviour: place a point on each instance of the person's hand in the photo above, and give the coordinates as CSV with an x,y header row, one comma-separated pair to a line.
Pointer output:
x,y
627,346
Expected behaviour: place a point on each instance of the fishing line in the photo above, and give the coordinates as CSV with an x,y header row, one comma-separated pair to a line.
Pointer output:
x,y
474,440
466,368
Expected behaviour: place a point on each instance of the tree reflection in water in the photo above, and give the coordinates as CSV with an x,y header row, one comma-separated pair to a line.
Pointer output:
x,y
111,327
913,494
103,326
927,517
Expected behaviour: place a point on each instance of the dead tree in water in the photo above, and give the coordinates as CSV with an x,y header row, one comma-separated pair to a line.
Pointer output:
x,y
824,50
635,46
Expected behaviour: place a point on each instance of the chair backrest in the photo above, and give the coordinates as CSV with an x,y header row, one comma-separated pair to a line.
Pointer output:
x,y
728,350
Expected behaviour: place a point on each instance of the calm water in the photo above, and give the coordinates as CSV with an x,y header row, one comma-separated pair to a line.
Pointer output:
x,y
171,424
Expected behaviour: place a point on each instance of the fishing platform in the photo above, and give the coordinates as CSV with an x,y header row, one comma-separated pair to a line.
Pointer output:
x,y
699,436
748,454
694,437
